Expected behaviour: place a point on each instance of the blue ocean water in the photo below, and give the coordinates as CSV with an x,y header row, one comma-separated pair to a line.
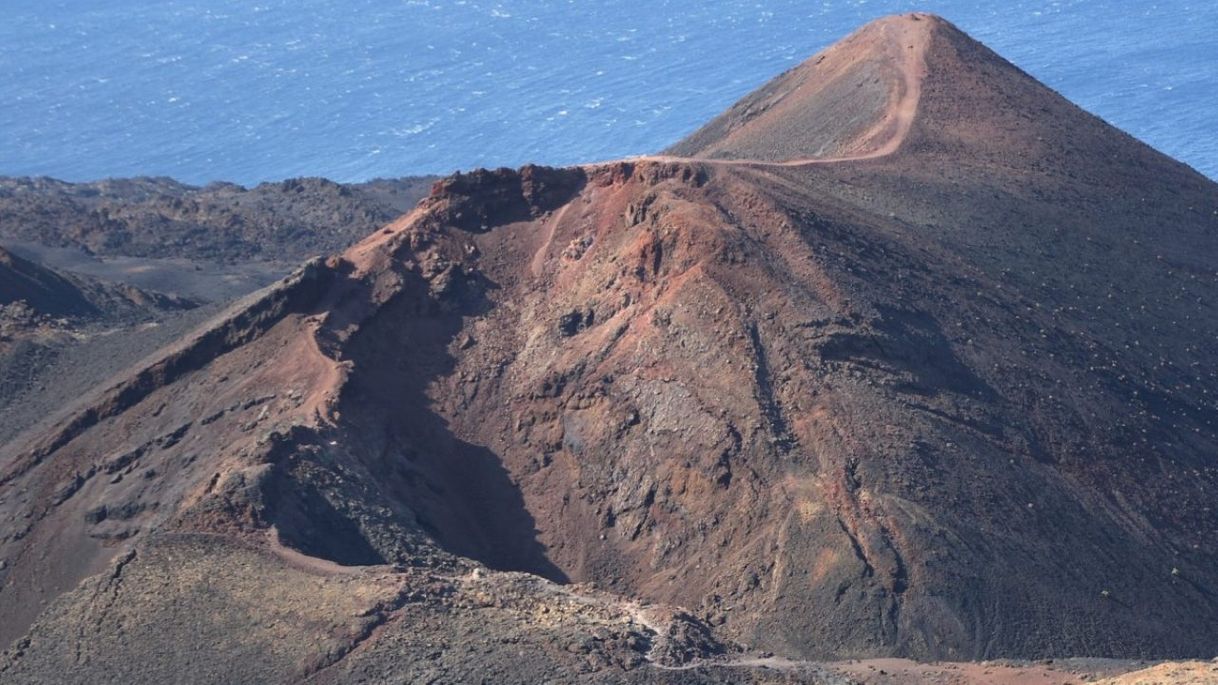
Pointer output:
x,y
252,90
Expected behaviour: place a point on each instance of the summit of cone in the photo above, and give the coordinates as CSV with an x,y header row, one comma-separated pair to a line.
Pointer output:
x,y
856,99
913,84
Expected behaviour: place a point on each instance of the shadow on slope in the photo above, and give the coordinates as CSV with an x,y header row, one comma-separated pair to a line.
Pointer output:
x,y
458,492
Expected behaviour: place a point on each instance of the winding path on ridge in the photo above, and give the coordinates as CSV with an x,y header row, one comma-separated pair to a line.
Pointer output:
x,y
911,66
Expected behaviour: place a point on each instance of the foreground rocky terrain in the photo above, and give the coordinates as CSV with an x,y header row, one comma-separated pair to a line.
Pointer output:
x,y
903,356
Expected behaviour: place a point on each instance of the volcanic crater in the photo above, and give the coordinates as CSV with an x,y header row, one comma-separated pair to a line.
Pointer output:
x,y
903,355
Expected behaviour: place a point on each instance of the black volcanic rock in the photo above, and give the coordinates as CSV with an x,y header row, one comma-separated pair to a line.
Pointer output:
x,y
157,217
54,294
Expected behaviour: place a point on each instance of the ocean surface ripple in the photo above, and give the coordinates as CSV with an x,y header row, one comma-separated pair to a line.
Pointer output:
x,y
252,91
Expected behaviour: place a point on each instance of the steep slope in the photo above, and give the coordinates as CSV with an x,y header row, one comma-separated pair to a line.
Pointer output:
x,y
44,313
42,289
51,293
103,250
951,395
854,100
